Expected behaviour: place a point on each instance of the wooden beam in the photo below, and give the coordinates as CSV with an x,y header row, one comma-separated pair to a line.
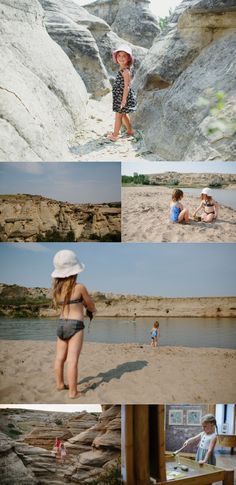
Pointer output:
x,y
129,444
141,444
161,440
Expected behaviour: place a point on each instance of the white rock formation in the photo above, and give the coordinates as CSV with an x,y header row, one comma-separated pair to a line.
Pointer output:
x,y
194,55
42,98
131,20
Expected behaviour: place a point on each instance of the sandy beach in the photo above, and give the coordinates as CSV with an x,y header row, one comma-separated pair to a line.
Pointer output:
x,y
91,143
145,218
119,373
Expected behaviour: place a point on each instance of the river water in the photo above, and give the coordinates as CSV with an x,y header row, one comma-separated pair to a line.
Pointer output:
x,y
187,332
222,196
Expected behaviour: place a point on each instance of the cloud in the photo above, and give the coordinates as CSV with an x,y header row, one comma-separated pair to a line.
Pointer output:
x,y
35,247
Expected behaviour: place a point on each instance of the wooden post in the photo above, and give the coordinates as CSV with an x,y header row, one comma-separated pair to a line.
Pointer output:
x,y
141,444
161,440
228,477
129,444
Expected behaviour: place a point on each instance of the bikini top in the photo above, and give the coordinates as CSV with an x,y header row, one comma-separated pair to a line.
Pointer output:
x,y
71,302
207,203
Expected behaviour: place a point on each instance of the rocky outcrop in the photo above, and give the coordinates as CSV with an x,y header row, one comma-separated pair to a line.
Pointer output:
x,y
192,179
15,299
31,457
30,218
88,41
13,470
69,25
132,20
193,59
42,98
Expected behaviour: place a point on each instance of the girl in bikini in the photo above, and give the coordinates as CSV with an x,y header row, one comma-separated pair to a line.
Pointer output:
x,y
124,99
71,297
209,206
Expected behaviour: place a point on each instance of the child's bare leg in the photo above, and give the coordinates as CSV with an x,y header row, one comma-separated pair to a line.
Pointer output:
x,y
61,355
74,349
118,122
127,123
184,216
207,217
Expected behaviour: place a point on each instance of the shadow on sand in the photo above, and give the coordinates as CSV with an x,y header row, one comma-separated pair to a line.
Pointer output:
x,y
116,373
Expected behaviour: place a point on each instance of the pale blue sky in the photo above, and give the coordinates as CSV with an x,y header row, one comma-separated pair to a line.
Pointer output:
x,y
128,168
175,270
67,181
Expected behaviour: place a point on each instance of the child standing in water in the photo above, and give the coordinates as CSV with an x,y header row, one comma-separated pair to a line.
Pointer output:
x,y
209,206
124,99
72,297
155,334
177,211
207,440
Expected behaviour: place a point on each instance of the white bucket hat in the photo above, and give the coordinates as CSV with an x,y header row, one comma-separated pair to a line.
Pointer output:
x,y
66,264
207,191
123,48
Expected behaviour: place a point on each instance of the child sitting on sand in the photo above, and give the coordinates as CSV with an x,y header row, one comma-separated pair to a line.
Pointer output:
x,y
177,211
155,334
208,205
207,440
124,99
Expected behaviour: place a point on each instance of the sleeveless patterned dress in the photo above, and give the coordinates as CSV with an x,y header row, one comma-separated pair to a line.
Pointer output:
x,y
117,94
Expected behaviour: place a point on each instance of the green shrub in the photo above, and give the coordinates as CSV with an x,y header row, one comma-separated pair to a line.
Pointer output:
x,y
54,235
110,476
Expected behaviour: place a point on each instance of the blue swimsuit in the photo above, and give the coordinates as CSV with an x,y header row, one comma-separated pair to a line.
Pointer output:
x,y
174,213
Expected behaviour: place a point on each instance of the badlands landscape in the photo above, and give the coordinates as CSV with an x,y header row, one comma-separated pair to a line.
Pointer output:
x,y
92,442
57,75
31,218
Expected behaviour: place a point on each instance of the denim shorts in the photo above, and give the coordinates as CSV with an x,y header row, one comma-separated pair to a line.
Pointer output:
x,y
67,328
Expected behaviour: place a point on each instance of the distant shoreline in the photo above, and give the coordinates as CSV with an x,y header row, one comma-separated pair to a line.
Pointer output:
x,y
21,302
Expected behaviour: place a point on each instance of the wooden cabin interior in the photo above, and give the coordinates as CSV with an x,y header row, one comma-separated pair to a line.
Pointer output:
x,y
145,460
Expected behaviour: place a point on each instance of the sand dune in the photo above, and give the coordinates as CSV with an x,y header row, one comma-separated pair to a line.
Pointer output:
x,y
121,373
145,218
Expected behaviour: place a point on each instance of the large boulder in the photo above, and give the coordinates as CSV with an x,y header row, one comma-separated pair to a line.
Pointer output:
x,y
193,59
130,19
42,98
68,24
13,470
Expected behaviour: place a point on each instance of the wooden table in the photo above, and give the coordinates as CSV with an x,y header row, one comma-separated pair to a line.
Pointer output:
x,y
227,440
196,474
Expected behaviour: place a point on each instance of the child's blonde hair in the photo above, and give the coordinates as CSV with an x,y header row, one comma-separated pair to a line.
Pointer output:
x,y
156,324
209,418
177,194
63,285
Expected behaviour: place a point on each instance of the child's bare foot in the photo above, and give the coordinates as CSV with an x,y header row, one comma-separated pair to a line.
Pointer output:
x,y
63,387
130,133
75,395
112,137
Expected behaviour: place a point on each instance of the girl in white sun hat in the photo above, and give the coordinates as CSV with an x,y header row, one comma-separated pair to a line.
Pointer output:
x,y
124,99
72,297
208,205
